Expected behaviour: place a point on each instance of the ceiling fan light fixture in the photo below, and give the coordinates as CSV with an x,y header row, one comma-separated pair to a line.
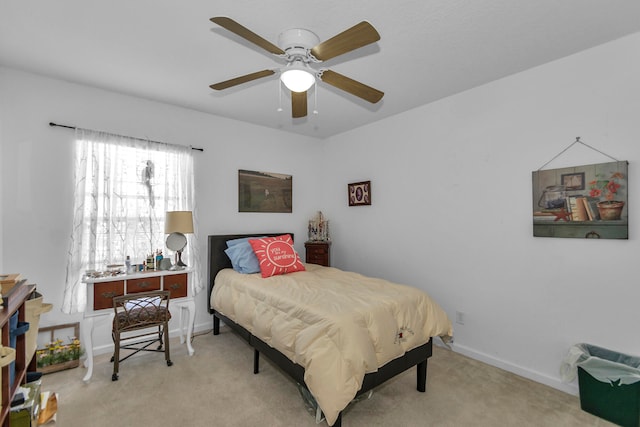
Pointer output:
x,y
298,48
297,78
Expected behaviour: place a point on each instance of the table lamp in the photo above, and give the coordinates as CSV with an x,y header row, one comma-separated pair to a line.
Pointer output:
x,y
176,225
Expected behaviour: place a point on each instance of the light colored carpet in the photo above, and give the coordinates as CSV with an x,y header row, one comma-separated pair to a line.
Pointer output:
x,y
217,387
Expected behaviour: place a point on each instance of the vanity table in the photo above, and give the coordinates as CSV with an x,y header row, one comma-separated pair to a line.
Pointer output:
x,y
100,293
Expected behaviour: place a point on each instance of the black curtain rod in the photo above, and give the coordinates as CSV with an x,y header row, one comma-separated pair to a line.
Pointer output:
x,y
124,136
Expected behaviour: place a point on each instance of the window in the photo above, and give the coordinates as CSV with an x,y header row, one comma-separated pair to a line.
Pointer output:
x,y
129,203
123,187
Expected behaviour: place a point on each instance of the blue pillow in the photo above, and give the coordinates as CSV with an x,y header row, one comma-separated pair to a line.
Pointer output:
x,y
242,257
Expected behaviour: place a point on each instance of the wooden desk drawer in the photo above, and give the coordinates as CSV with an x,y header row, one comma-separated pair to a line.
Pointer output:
x,y
143,284
176,285
104,292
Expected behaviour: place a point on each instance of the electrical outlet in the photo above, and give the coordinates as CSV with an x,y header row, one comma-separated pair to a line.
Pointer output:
x,y
459,317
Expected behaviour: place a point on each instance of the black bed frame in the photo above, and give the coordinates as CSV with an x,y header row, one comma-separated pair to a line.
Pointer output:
x,y
218,260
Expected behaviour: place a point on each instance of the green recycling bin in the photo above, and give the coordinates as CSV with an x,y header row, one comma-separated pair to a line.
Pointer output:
x,y
609,384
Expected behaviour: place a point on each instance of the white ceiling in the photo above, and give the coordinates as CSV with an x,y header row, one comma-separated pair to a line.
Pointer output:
x,y
169,51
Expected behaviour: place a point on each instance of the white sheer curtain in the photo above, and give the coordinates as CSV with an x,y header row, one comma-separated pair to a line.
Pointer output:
x,y
123,187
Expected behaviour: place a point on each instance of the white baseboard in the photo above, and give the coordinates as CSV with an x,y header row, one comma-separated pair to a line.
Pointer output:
x,y
538,377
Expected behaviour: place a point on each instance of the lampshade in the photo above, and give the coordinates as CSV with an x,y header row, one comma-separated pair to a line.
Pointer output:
x,y
178,222
297,77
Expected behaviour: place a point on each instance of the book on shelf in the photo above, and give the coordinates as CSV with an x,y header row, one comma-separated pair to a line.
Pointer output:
x,y
581,208
587,208
592,207
578,209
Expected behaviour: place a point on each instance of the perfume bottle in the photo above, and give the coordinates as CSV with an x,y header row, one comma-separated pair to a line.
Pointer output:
x,y
150,262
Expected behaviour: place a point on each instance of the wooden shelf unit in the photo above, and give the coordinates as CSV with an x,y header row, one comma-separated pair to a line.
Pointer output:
x,y
15,302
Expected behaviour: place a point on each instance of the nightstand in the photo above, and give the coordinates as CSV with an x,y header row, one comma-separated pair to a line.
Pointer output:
x,y
318,253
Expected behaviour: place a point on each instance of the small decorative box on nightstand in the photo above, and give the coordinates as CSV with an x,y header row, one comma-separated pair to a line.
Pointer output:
x,y
317,252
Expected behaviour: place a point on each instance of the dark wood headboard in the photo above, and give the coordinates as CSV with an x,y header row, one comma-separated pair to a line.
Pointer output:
x,y
219,260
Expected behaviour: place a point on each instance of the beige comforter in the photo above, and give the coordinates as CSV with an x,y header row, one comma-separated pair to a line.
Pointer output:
x,y
337,325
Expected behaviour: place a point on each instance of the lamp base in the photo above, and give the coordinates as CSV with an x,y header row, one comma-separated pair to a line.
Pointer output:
x,y
179,262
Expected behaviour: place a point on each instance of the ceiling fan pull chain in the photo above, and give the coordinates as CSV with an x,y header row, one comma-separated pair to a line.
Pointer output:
x,y
279,96
315,100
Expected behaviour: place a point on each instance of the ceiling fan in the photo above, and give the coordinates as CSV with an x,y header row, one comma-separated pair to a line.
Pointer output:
x,y
299,48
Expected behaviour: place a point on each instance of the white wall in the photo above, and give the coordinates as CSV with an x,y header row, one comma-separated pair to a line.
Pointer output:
x,y
36,174
451,211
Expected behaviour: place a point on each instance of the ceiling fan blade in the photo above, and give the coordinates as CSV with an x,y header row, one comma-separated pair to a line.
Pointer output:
x,y
355,37
247,34
298,104
354,87
242,79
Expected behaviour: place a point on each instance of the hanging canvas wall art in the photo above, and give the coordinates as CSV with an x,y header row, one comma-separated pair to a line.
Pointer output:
x,y
264,192
587,201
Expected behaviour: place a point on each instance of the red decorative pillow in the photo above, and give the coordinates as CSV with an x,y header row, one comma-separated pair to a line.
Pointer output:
x,y
276,255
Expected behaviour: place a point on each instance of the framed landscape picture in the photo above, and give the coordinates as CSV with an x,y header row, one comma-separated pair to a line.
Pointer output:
x,y
588,201
264,192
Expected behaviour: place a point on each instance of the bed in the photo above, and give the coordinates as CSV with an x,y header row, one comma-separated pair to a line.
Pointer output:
x,y
298,345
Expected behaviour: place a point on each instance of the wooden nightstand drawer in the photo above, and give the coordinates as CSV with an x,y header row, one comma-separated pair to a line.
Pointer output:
x,y
176,285
317,250
321,260
317,253
104,292
143,284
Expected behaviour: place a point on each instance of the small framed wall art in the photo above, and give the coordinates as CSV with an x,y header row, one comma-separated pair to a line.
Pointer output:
x,y
359,193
